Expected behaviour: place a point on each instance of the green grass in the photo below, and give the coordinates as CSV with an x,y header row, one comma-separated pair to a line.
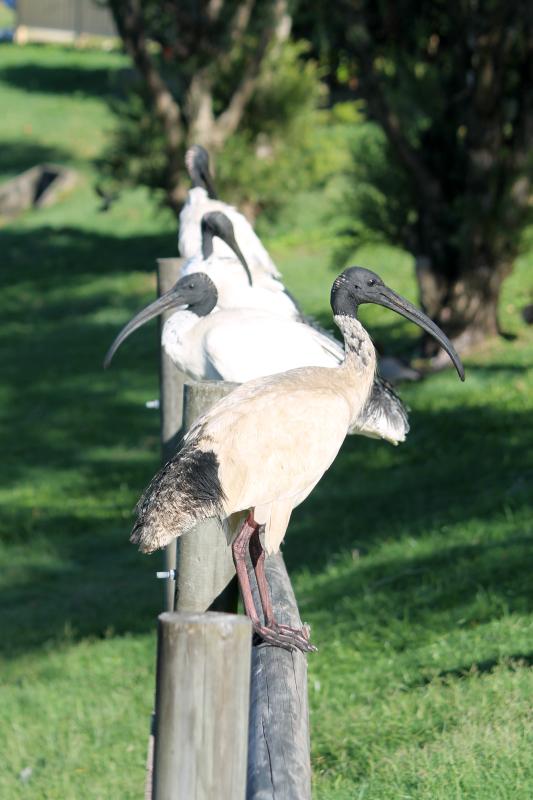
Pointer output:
x,y
412,564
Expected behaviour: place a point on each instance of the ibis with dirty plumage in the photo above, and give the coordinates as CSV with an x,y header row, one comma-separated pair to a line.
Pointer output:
x,y
260,451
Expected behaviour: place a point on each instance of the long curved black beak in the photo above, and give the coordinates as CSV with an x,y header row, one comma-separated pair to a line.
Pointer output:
x,y
397,303
169,300
237,250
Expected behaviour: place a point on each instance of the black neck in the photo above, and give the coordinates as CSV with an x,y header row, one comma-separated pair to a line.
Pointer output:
x,y
201,178
343,302
215,223
207,241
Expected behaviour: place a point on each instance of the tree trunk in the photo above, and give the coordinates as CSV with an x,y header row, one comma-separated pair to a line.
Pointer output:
x,y
465,305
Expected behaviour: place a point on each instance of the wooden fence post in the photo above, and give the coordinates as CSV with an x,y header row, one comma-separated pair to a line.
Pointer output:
x,y
279,763
205,577
202,699
171,382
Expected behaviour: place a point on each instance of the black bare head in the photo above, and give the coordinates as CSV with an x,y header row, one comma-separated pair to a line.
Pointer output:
x,y
197,163
196,293
216,223
357,285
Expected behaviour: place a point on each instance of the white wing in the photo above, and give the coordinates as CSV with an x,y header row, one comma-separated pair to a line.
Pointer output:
x,y
242,345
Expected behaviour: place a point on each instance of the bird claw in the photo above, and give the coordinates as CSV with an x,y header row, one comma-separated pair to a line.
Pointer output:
x,y
286,637
304,631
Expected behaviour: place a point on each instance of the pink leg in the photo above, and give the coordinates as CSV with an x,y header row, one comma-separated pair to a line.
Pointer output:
x,y
257,555
271,632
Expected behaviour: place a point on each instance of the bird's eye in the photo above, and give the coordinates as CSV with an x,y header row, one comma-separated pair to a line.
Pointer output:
x,y
371,282
192,286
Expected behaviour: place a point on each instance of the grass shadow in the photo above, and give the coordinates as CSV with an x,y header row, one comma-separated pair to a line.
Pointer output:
x,y
456,586
16,157
79,443
484,667
96,585
68,80
51,258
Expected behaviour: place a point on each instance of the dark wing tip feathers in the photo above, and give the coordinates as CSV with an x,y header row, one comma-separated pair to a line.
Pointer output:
x,y
384,402
186,490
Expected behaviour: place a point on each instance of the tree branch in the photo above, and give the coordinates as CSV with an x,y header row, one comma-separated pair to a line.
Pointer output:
x,y
228,121
213,10
241,20
130,25
200,108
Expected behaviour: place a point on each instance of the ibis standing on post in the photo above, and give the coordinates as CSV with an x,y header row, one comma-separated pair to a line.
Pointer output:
x,y
233,275
202,199
261,450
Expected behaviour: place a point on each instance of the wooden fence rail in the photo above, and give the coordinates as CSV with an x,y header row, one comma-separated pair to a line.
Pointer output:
x,y
279,764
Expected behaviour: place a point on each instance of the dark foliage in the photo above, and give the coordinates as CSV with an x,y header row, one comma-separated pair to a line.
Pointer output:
x,y
451,88
222,75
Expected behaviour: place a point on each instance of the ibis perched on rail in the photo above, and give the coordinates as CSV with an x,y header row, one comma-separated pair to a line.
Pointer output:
x,y
232,275
240,344
260,451
202,199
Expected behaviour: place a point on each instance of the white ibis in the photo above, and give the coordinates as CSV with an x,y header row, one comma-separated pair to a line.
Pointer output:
x,y
202,199
261,450
231,274
239,344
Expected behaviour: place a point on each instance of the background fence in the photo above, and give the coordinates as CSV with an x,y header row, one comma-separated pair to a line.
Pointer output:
x,y
62,20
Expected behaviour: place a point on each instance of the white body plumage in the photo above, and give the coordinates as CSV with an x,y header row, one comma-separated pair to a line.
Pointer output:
x,y
311,409
241,344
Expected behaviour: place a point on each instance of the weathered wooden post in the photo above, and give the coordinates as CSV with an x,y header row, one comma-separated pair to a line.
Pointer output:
x,y
205,575
171,382
190,643
202,699
279,763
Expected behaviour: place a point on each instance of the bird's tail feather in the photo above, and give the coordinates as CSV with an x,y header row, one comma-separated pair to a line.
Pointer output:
x,y
184,492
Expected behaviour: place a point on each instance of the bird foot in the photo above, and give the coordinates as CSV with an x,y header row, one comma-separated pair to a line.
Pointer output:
x,y
286,637
304,631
